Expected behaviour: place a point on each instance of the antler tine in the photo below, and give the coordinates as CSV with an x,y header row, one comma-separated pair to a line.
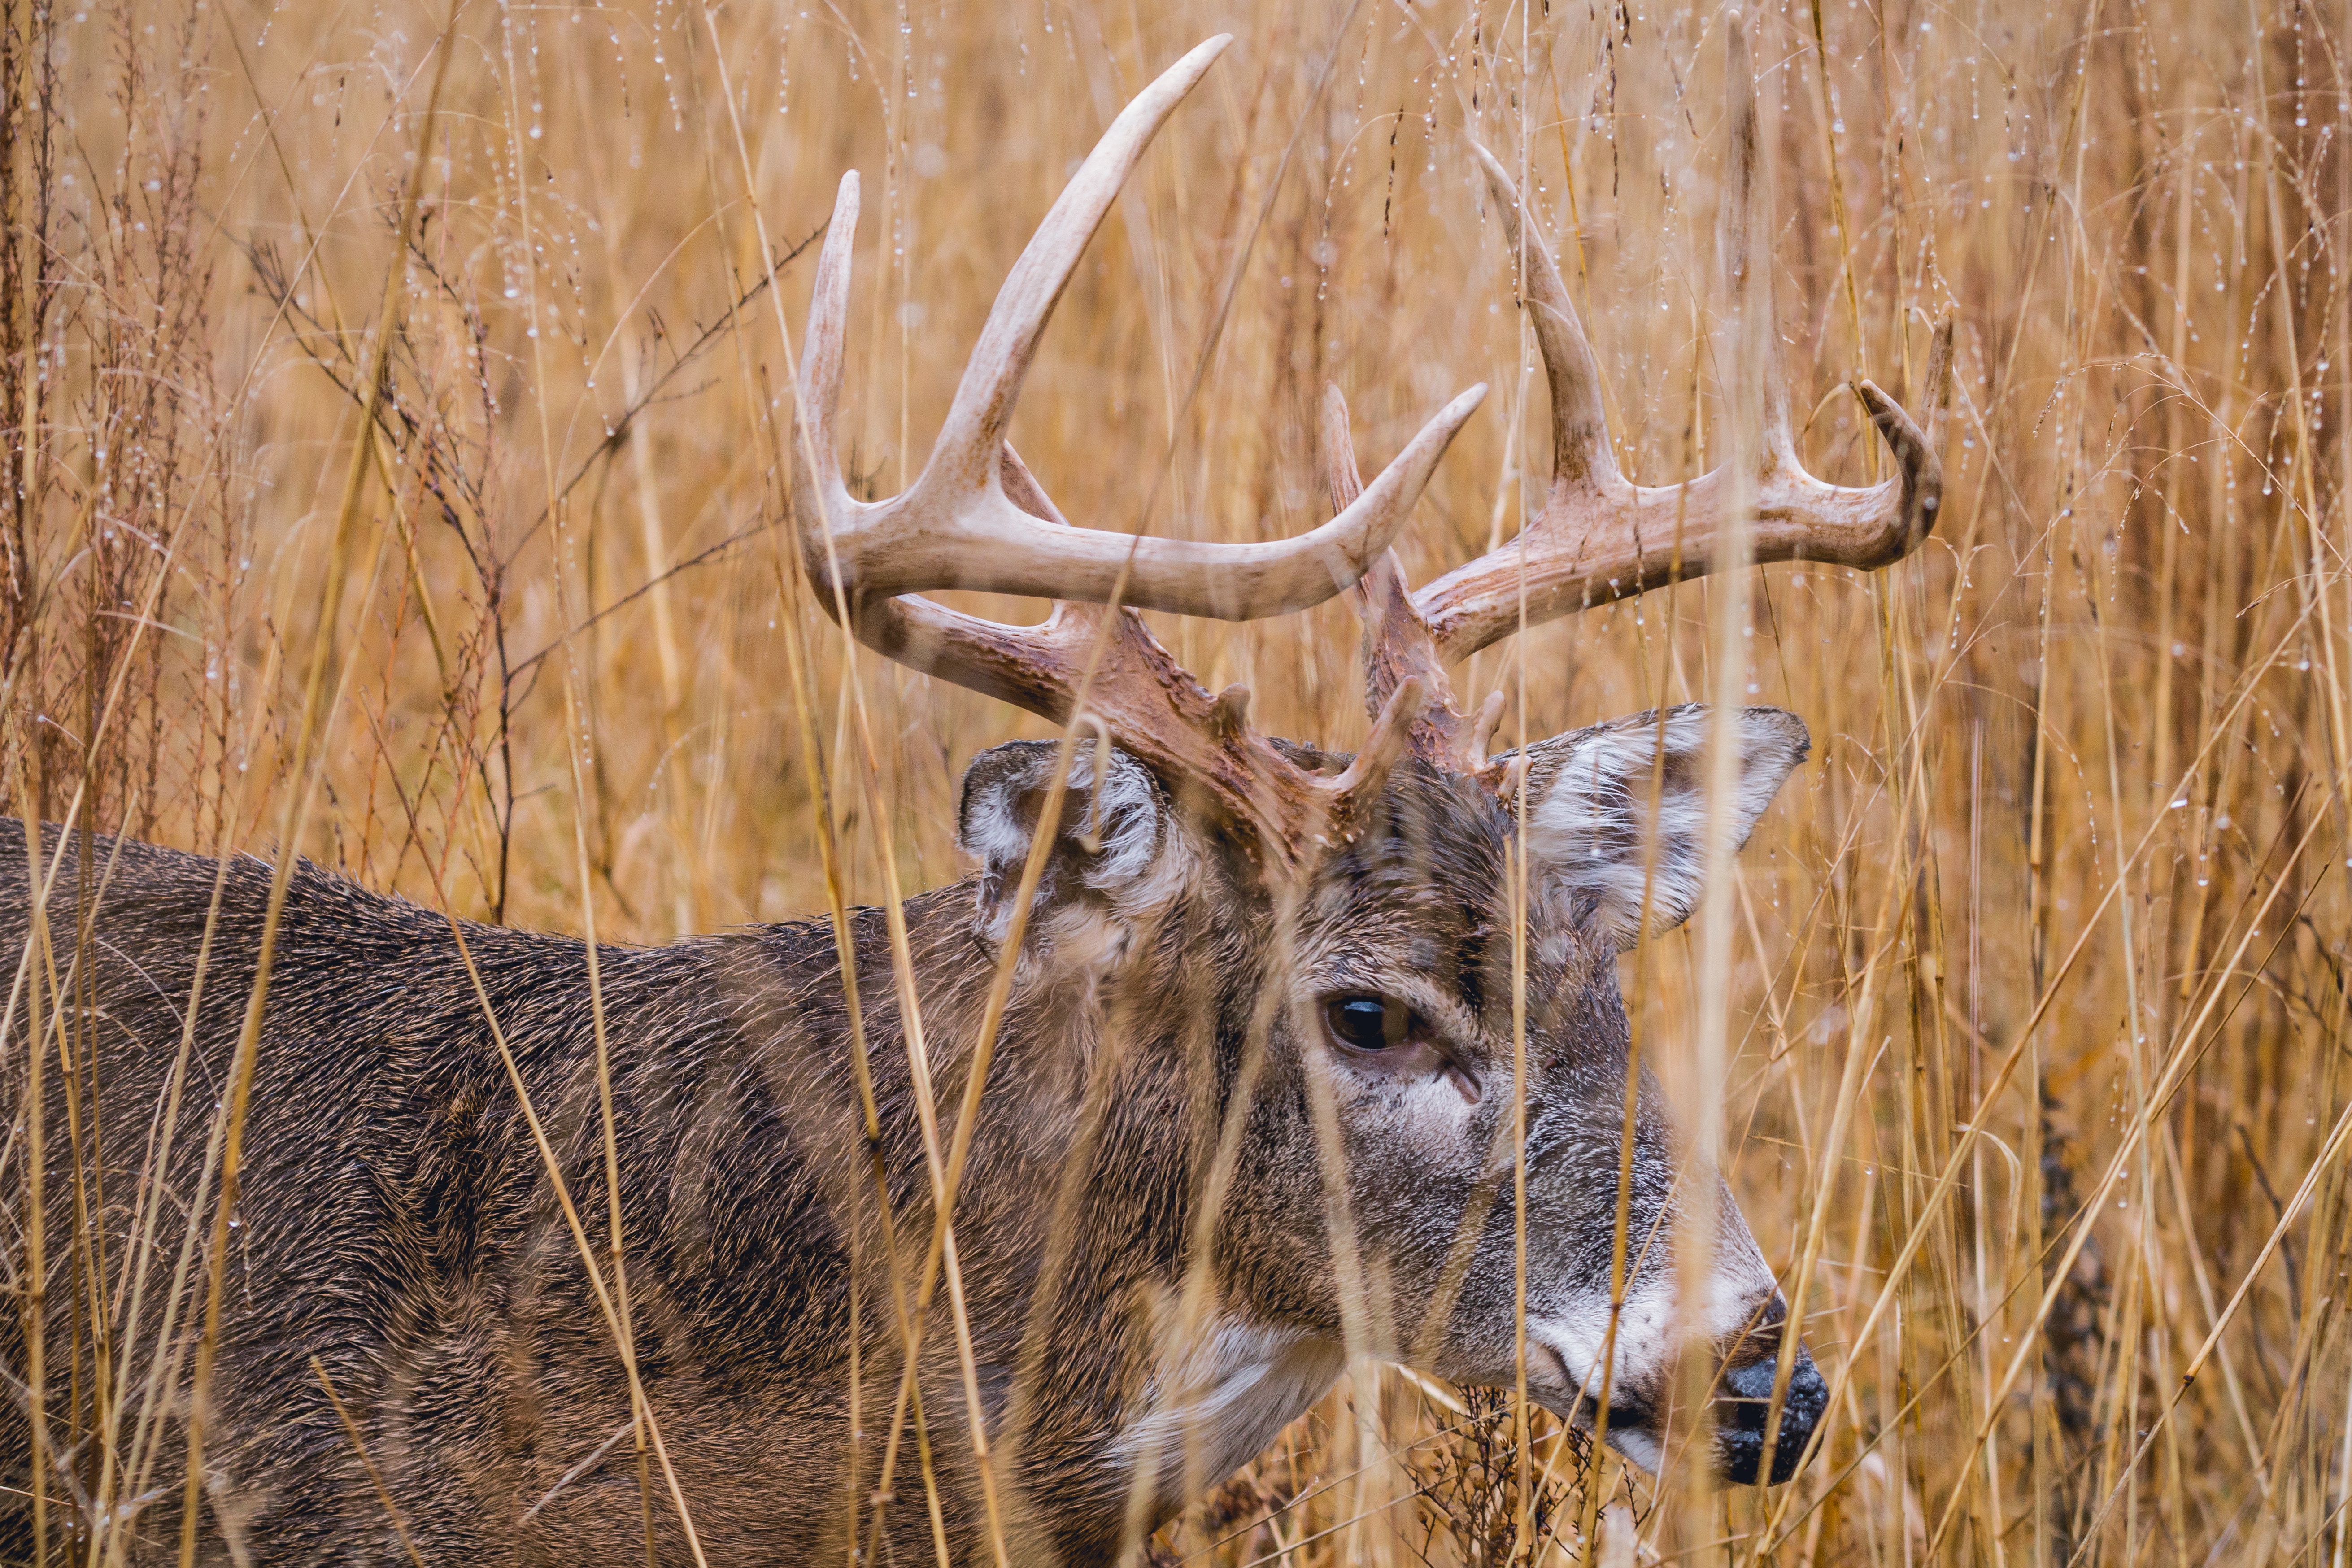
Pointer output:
x,y
1395,642
982,410
1918,454
975,518
1601,537
1398,648
820,402
954,526
1581,451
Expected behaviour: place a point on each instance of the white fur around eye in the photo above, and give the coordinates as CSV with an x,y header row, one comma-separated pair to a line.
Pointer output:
x,y
1590,830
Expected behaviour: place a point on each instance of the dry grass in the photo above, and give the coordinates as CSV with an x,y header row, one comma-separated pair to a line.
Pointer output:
x,y
2057,888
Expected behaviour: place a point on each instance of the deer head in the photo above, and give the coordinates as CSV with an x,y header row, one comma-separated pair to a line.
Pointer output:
x,y
1342,927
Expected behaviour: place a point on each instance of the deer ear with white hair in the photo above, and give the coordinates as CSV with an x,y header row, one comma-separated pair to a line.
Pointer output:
x,y
1117,855
1594,836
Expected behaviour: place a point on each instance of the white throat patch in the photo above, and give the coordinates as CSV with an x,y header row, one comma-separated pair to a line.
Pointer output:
x,y
1211,1410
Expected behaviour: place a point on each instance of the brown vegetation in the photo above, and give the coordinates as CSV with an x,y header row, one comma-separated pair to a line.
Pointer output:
x,y
471,575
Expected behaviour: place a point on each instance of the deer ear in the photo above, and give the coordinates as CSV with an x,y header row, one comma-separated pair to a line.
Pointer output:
x,y
1117,854
1591,835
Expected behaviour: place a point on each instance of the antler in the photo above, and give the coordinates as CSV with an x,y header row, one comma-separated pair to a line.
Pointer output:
x,y
976,518
1601,537
1398,648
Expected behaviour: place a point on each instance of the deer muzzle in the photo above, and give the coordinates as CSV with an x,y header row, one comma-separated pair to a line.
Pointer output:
x,y
1742,1409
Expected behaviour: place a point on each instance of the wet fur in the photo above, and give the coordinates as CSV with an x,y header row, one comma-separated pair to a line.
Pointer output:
x,y
397,1222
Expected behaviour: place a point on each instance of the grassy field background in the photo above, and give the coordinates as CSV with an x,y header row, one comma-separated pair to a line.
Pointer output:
x,y
2068,866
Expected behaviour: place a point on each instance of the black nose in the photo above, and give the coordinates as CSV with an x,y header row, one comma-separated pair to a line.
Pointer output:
x,y
1743,1407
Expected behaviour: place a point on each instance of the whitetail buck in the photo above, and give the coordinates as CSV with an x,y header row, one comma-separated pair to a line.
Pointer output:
x,y
1251,1099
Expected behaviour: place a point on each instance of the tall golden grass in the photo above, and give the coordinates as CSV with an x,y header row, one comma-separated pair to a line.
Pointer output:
x,y
2038,1012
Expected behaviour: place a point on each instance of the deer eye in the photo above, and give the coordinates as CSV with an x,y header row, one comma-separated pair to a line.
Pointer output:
x,y
1366,1022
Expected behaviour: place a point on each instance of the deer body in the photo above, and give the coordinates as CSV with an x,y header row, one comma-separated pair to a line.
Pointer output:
x,y
1282,1029
397,1222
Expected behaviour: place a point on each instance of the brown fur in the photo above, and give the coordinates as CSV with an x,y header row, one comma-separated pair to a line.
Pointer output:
x,y
397,1222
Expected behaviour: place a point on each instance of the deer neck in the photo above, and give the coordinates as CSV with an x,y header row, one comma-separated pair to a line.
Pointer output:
x,y
1208,1406
1136,1395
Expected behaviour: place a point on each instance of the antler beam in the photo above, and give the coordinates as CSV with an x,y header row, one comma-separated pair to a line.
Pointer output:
x,y
1601,537
1151,702
954,527
975,518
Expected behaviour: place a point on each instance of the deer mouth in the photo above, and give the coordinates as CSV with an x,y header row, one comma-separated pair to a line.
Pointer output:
x,y
1553,1383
